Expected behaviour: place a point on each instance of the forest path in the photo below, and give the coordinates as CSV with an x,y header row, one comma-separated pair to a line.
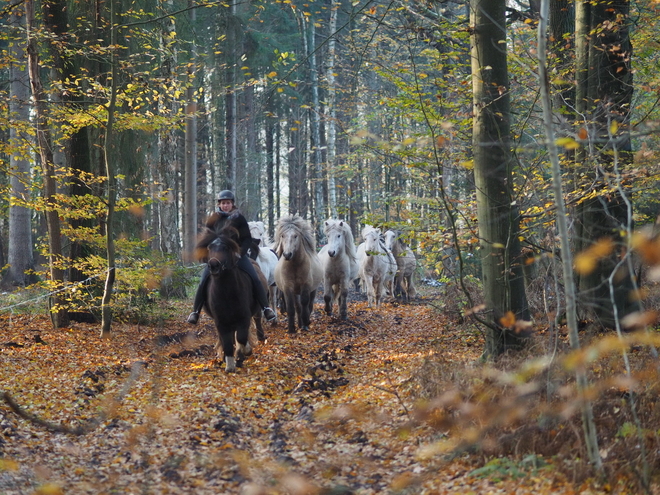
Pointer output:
x,y
330,411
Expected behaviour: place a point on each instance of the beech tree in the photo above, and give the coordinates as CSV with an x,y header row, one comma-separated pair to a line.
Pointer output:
x,y
20,257
503,286
603,109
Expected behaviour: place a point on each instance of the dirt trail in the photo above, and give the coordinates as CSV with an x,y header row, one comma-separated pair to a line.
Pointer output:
x,y
329,411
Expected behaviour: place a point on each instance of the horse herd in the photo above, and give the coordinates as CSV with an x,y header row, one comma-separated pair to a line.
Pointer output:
x,y
293,270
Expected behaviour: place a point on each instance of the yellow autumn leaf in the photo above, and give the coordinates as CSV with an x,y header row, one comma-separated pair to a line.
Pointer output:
x,y
508,320
8,465
614,126
586,261
272,74
49,489
568,143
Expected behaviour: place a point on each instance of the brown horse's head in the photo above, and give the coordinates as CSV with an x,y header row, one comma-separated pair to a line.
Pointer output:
x,y
223,252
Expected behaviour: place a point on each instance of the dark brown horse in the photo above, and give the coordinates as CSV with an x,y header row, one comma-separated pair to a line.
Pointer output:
x,y
230,301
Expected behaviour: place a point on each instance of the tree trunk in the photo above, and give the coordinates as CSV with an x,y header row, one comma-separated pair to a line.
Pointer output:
x,y
59,315
253,168
315,127
591,437
165,219
190,168
270,166
231,100
108,156
498,219
604,98
331,111
19,252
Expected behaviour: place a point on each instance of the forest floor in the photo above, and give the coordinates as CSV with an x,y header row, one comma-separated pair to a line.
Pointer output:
x,y
331,411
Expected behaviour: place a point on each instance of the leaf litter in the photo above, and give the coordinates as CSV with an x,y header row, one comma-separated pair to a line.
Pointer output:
x,y
330,411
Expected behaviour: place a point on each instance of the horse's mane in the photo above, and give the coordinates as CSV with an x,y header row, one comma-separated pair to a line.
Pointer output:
x,y
298,223
366,229
398,243
260,229
342,225
209,235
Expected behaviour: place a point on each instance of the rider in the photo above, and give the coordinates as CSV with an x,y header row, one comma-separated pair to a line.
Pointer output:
x,y
226,211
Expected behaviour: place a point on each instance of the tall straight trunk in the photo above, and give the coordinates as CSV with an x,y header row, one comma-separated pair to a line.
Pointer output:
x,y
562,34
109,160
59,315
604,98
270,167
19,251
231,125
331,111
278,176
294,158
590,433
315,127
190,167
165,219
252,205
498,219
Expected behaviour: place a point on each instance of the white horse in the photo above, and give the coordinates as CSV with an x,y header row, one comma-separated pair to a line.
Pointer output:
x,y
360,255
378,267
265,258
340,267
406,263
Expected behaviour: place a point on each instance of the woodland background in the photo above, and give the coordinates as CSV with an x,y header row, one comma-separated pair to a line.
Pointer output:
x,y
521,168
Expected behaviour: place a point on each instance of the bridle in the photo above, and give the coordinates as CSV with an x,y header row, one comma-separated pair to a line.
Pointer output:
x,y
229,262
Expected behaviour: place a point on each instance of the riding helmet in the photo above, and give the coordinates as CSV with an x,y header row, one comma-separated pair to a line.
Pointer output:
x,y
226,194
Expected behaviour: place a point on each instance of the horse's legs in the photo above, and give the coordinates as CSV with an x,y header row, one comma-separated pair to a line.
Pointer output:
x,y
302,310
261,334
328,296
272,294
227,338
369,286
411,287
378,291
291,303
243,347
343,302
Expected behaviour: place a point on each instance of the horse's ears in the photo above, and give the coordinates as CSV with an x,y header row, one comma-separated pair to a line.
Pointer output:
x,y
341,224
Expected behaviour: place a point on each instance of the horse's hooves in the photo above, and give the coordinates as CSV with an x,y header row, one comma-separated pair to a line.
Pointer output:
x,y
230,364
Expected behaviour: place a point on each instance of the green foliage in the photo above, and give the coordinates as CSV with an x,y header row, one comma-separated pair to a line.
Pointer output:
x,y
502,468
143,278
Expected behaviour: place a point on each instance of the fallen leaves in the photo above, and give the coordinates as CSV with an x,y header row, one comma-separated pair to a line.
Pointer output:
x,y
334,410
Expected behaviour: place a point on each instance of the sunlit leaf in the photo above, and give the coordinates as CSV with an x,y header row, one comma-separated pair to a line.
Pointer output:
x,y
508,320
587,261
568,143
614,127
